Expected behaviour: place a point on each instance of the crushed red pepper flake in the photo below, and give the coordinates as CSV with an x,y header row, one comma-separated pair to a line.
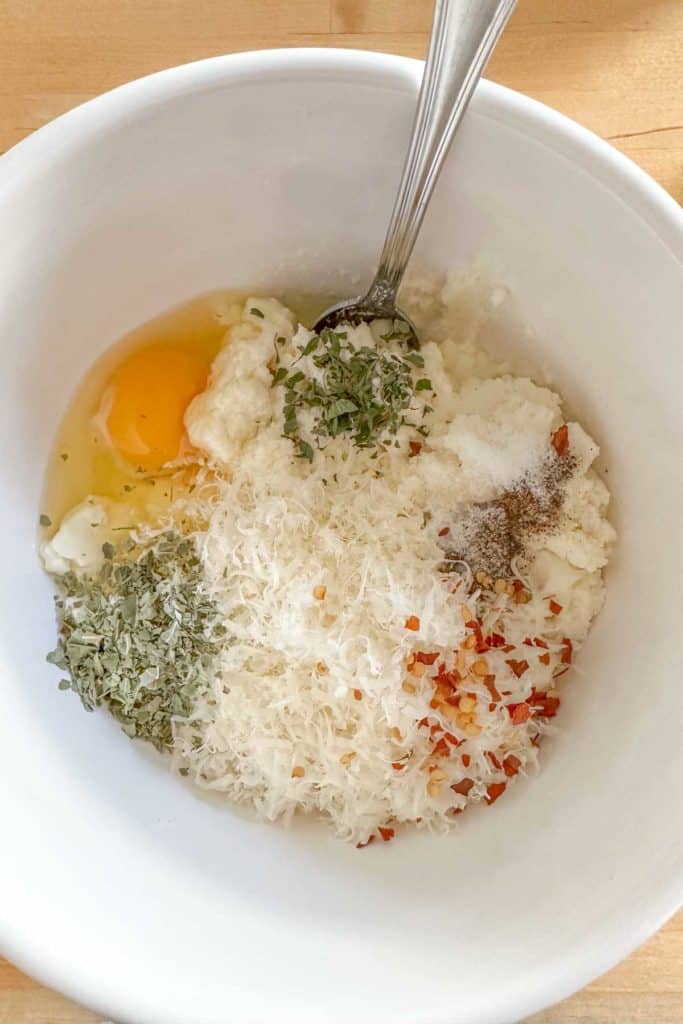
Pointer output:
x,y
370,839
444,531
463,787
415,447
466,759
493,759
447,679
511,765
519,713
412,623
386,833
546,707
518,667
426,659
495,790
555,608
560,440
544,658
490,684
441,748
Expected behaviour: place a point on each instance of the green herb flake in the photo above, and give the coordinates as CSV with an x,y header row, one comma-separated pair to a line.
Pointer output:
x,y
305,451
257,312
424,384
311,346
44,520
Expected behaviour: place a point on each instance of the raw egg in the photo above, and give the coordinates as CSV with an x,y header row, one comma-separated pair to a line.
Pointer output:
x,y
144,404
125,419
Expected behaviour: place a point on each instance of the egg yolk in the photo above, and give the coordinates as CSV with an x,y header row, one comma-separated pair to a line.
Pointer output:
x,y
145,402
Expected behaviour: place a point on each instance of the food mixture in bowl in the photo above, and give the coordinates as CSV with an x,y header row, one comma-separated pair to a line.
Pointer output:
x,y
329,574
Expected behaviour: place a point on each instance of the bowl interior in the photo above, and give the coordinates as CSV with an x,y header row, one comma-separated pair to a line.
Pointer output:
x,y
276,172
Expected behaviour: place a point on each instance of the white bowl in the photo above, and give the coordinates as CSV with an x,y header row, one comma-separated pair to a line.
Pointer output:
x,y
276,170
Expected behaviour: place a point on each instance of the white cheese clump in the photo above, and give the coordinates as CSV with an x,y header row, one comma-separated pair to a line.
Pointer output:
x,y
239,396
77,544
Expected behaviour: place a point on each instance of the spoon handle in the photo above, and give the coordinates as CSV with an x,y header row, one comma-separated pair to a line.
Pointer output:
x,y
464,33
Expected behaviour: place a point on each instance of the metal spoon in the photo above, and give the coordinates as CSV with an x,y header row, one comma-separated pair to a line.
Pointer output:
x,y
464,34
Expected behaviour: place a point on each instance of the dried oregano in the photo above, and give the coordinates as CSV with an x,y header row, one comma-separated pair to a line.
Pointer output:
x,y
140,636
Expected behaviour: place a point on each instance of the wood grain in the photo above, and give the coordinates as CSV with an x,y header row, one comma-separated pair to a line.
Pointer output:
x,y
614,65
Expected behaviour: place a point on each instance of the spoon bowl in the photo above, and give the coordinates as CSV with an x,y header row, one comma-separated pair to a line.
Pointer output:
x,y
362,310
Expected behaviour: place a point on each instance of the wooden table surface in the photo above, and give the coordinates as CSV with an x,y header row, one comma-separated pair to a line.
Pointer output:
x,y
616,66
